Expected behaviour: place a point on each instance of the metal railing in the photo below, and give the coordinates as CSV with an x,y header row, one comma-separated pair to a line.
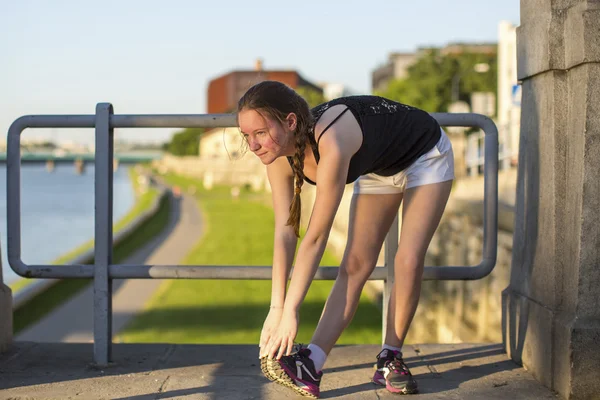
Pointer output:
x,y
103,271
475,151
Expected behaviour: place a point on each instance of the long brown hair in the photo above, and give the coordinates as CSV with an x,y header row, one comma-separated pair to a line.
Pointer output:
x,y
277,100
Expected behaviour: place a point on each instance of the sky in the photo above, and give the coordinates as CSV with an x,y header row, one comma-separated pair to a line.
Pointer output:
x,y
157,57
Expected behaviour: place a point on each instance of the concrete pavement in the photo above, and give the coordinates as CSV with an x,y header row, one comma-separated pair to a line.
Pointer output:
x,y
160,371
73,321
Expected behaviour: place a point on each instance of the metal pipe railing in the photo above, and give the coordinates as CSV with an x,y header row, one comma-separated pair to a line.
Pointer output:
x,y
103,271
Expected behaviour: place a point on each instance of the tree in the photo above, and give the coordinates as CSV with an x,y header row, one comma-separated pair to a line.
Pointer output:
x,y
185,142
431,79
313,97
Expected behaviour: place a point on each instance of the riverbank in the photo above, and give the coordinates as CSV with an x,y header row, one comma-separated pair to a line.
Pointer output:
x,y
148,198
128,295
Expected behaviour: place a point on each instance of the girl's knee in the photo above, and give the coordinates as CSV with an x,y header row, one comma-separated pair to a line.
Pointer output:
x,y
356,268
408,262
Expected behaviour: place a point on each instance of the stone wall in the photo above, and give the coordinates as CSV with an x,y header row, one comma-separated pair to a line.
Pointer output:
x,y
462,311
552,318
246,170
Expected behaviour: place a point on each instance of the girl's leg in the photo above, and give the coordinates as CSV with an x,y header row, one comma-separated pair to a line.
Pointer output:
x,y
371,216
421,214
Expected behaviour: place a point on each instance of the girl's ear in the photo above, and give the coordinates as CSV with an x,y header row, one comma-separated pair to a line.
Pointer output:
x,y
292,121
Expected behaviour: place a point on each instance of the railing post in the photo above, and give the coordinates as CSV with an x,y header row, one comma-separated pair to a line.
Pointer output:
x,y
103,237
391,247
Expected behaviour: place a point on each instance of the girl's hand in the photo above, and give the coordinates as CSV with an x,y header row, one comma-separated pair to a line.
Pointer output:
x,y
269,328
282,341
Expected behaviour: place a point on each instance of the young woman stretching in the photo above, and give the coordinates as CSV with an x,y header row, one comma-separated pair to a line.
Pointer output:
x,y
393,153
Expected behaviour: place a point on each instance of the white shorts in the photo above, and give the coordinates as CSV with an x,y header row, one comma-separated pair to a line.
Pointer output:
x,y
435,166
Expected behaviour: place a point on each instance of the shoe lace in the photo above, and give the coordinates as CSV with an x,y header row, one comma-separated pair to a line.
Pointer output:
x,y
297,351
398,366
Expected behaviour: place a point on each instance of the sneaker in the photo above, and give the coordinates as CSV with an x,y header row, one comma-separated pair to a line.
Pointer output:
x,y
297,372
266,366
392,372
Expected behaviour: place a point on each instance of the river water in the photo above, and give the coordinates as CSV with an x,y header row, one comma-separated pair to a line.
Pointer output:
x,y
57,211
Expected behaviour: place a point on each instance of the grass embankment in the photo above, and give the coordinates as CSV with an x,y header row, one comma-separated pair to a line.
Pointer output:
x,y
45,302
236,232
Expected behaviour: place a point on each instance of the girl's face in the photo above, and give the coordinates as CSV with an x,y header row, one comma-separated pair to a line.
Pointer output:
x,y
266,137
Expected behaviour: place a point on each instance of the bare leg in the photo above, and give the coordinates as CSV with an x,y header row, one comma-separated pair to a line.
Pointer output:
x,y
370,219
422,211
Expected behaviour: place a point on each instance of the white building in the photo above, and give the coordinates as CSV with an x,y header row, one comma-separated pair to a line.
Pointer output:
x,y
509,92
221,143
334,90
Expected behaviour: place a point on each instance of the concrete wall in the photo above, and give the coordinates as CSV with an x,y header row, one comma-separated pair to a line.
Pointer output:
x,y
552,306
6,317
247,170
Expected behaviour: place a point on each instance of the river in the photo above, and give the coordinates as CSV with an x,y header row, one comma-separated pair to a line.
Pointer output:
x,y
57,211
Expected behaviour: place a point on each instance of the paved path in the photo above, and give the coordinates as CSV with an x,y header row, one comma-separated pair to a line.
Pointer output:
x,y
73,321
161,371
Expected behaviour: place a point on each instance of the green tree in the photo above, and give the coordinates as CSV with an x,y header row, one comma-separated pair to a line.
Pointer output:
x,y
430,81
185,142
313,97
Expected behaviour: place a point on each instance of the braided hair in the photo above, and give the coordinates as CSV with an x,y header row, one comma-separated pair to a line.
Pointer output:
x,y
278,100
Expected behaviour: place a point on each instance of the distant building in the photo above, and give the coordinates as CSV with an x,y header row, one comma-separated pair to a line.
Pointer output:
x,y
483,103
398,63
335,90
225,91
395,68
476,48
221,143
509,92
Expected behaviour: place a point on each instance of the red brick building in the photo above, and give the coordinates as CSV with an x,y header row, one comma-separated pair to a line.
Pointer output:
x,y
225,91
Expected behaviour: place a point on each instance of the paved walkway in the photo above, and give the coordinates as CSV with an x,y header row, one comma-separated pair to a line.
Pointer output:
x,y
161,371
73,321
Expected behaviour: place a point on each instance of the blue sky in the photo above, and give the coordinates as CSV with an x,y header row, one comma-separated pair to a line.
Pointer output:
x,y
64,56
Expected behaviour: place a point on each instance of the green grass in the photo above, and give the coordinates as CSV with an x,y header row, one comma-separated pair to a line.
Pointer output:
x,y
45,302
222,311
19,284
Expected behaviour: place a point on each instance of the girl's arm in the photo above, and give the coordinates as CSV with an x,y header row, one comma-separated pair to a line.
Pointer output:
x,y
281,179
331,181
336,149
285,241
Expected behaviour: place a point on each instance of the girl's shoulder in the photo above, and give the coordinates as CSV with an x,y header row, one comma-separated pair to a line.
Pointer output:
x,y
362,105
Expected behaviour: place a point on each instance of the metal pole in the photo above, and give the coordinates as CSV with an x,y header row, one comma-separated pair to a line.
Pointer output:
x,y
103,235
391,247
455,87
213,272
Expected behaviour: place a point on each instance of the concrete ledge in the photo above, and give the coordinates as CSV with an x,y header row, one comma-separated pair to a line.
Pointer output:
x,y
528,333
567,34
6,317
153,371
582,34
585,336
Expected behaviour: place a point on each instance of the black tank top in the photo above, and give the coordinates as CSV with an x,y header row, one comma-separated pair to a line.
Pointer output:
x,y
394,135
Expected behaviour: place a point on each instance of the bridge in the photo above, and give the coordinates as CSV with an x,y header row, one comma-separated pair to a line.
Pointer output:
x,y
121,158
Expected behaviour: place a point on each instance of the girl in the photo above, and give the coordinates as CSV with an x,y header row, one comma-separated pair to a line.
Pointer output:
x,y
392,152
